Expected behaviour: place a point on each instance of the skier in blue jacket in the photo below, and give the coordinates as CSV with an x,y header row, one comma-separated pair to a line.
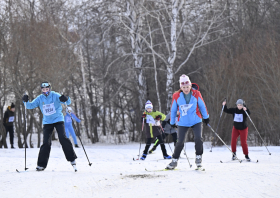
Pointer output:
x,y
49,103
192,109
68,125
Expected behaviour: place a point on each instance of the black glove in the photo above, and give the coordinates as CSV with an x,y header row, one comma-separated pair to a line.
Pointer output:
x,y
158,117
173,125
206,121
144,115
63,98
25,98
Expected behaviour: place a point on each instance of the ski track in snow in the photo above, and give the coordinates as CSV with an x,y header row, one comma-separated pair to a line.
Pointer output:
x,y
114,174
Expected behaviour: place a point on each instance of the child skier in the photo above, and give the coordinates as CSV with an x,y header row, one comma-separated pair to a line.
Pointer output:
x,y
68,125
168,130
239,128
190,103
153,129
49,103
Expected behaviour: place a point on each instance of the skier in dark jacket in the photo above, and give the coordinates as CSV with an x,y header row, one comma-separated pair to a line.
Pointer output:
x,y
8,122
49,103
239,128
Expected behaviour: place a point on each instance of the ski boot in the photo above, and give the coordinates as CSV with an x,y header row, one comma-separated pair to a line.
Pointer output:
x,y
172,165
74,165
247,158
40,168
167,157
198,160
12,146
143,157
76,146
234,157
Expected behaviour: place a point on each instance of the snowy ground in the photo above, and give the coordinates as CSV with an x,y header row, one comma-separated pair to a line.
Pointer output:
x,y
114,174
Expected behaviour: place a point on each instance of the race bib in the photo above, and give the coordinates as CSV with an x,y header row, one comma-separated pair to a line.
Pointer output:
x,y
49,109
185,108
150,119
238,118
11,119
68,119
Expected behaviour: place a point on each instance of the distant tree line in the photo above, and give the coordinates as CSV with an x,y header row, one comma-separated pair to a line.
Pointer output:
x,y
111,56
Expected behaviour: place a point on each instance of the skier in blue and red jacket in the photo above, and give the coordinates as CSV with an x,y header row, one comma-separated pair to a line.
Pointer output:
x,y
192,108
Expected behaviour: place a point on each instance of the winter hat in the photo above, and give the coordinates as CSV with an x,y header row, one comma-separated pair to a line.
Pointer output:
x,y
185,80
70,109
148,105
13,105
46,85
240,101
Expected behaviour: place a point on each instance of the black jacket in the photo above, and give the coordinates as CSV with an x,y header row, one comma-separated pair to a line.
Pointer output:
x,y
239,117
9,117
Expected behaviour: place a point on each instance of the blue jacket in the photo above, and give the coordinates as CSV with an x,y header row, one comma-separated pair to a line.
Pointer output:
x,y
50,106
68,120
189,114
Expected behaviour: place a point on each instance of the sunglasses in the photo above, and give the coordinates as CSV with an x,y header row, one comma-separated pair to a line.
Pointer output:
x,y
45,85
185,83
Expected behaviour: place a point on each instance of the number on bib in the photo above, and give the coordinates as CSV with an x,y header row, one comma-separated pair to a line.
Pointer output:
x,y
49,109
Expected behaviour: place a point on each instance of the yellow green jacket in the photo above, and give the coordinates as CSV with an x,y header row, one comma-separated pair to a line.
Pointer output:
x,y
153,130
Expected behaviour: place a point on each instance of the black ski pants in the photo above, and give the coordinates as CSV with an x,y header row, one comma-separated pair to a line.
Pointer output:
x,y
45,149
161,142
197,131
10,129
164,135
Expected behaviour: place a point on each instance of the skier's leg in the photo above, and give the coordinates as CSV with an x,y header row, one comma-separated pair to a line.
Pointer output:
x,y
180,143
7,131
174,136
11,130
65,142
243,139
71,130
197,131
45,149
67,131
157,142
145,152
162,146
148,144
234,136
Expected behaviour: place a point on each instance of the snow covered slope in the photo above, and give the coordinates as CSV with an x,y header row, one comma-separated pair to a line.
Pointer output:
x,y
114,174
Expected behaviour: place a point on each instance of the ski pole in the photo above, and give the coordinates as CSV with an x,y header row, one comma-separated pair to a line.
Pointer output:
x,y
77,135
141,139
186,155
257,131
223,142
25,135
218,123
24,139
